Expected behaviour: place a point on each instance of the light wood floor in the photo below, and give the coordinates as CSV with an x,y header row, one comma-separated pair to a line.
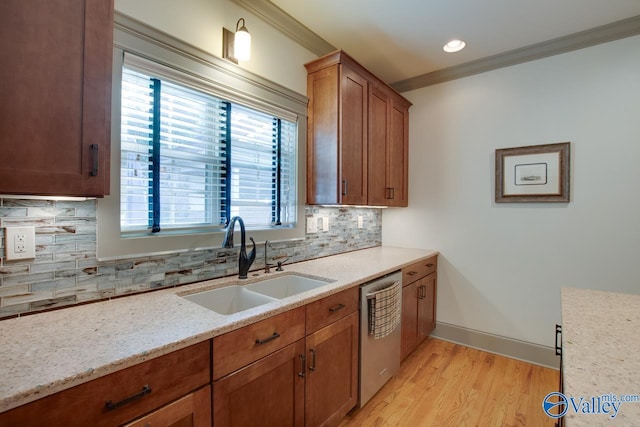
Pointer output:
x,y
445,384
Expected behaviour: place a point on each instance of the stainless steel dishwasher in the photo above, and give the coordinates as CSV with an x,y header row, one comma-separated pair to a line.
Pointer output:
x,y
380,315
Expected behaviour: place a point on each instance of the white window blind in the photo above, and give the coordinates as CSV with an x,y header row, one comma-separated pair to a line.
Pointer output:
x,y
191,160
256,167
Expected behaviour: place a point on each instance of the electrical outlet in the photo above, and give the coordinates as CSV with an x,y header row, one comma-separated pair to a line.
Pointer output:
x,y
20,243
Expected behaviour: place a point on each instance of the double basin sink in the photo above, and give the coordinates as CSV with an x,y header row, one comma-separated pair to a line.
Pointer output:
x,y
236,298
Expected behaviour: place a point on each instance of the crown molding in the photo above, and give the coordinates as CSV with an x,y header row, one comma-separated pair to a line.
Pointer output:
x,y
287,25
293,29
606,33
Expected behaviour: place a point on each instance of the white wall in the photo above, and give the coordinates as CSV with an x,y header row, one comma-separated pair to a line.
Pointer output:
x,y
502,265
199,23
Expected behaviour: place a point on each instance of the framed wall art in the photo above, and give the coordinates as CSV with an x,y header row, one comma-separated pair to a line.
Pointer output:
x,y
536,173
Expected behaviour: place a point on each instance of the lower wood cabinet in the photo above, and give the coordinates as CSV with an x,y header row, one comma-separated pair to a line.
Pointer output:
x,y
268,392
156,386
192,410
332,372
298,368
310,382
418,304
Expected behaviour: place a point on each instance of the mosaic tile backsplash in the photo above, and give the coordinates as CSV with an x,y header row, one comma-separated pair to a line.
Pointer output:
x,y
66,271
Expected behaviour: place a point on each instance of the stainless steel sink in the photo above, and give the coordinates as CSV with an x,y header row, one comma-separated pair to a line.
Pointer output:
x,y
285,286
229,300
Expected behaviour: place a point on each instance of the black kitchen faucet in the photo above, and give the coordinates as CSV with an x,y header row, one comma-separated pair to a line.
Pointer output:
x,y
244,260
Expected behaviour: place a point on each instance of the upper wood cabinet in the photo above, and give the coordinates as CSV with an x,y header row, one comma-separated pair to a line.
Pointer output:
x,y
357,137
55,96
397,177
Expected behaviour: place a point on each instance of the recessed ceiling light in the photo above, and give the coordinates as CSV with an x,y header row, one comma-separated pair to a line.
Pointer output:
x,y
454,46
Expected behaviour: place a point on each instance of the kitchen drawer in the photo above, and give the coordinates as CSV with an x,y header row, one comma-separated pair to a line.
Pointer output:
x,y
418,270
241,347
334,307
122,396
193,409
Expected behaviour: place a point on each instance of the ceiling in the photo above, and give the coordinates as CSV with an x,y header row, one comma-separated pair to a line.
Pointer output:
x,y
401,39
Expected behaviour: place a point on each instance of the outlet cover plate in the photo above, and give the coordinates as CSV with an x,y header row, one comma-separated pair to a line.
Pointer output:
x,y
20,243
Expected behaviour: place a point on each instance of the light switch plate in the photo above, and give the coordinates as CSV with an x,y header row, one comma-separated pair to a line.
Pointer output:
x,y
312,225
20,243
325,223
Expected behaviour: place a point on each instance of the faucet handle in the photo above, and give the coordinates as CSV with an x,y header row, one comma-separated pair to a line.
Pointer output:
x,y
280,263
267,267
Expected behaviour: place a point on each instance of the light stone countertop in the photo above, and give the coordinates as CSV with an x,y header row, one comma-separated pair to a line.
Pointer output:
x,y
45,353
601,354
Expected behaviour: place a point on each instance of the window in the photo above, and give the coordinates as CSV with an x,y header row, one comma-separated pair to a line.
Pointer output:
x,y
191,160
230,143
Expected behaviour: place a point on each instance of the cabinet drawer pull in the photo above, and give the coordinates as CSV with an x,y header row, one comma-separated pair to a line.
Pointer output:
x,y
412,273
345,187
110,406
303,363
313,359
391,194
422,292
266,340
336,308
429,265
94,160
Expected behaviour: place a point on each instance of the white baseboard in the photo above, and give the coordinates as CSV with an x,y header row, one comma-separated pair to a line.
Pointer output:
x,y
509,347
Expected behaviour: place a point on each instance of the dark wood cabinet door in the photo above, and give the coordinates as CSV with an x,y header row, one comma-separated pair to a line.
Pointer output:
x,y
409,319
426,306
192,410
268,392
353,137
323,167
332,372
55,96
418,312
388,148
398,155
379,128
337,137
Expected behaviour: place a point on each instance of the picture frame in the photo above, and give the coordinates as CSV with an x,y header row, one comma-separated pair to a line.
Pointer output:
x,y
535,173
